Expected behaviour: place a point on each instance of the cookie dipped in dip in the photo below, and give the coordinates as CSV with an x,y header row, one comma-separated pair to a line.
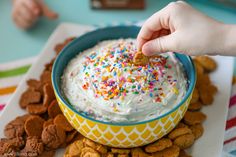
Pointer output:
x,y
104,84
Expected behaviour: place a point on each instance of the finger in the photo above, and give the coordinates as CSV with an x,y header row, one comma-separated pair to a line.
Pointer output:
x,y
27,14
21,23
46,11
156,22
33,7
159,45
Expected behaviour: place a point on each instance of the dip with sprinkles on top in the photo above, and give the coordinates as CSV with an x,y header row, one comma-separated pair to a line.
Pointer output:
x,y
104,84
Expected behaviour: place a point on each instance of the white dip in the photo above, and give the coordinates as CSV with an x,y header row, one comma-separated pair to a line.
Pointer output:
x,y
102,83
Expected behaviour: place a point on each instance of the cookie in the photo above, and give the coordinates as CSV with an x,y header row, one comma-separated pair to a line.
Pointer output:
x,y
45,77
207,63
74,149
181,125
98,147
49,65
197,130
184,141
178,132
207,94
17,143
89,143
195,106
47,123
195,96
62,122
109,155
48,94
89,152
15,128
172,151
29,97
34,126
182,153
198,67
138,152
101,149
7,150
48,153
54,109
60,46
53,136
122,155
159,145
192,118
33,146
140,59
34,84
120,151
203,80
36,109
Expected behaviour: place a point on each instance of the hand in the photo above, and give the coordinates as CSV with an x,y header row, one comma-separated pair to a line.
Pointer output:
x,y
180,28
26,12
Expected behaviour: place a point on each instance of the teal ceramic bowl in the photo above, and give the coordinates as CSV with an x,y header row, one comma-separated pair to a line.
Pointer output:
x,y
117,135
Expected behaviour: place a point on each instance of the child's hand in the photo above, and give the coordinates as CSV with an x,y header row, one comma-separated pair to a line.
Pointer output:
x,y
180,28
26,12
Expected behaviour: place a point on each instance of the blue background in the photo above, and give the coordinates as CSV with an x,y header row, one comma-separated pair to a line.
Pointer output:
x,y
16,44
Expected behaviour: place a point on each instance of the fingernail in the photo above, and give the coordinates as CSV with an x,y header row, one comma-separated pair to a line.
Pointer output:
x,y
146,50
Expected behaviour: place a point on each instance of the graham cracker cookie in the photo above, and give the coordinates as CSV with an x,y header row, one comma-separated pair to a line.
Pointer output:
x,y
62,122
192,118
53,136
184,141
159,145
34,126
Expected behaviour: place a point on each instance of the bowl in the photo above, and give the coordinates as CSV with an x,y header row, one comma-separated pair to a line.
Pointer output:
x,y
120,135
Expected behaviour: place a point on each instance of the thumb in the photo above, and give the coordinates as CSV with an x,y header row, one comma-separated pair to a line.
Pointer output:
x,y
47,12
159,45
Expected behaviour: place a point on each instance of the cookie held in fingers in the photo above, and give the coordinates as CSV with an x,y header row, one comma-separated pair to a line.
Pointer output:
x,y
34,126
184,141
61,121
53,136
192,118
140,59
159,145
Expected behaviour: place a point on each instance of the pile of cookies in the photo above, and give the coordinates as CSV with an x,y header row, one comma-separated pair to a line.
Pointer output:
x,y
44,129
